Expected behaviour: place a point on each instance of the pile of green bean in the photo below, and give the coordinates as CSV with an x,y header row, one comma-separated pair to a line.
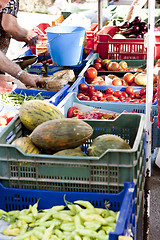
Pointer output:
x,y
17,99
80,221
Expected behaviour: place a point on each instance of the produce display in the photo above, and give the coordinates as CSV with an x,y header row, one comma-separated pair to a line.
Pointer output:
x,y
137,77
26,145
127,94
78,220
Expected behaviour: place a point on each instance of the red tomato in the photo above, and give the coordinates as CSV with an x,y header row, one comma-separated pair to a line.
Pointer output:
x,y
71,111
97,60
129,90
124,94
129,78
137,95
99,94
91,89
122,98
88,80
85,98
112,98
91,73
117,93
94,98
97,66
80,95
109,91
132,96
83,87
143,91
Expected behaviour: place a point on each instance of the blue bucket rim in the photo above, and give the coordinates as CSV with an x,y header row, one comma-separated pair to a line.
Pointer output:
x,y
80,29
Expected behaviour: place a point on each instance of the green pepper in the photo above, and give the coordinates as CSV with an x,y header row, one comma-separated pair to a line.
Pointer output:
x,y
85,204
95,225
67,226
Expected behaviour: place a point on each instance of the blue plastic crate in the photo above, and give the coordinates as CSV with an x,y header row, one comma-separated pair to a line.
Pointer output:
x,y
18,199
55,97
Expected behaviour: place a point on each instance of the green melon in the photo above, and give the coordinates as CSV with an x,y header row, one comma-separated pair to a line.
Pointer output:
x,y
105,142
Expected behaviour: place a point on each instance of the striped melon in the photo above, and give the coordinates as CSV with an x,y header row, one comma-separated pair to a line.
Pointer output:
x,y
104,142
71,152
59,134
34,112
25,144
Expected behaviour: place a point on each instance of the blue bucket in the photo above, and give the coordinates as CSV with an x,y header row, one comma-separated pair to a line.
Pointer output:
x,y
66,44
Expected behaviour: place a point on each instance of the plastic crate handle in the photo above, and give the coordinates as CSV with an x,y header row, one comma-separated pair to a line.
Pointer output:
x,y
59,95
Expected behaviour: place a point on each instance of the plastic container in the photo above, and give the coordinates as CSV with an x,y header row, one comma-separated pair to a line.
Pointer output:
x,y
41,43
55,97
125,49
106,173
90,43
13,199
103,88
117,107
66,44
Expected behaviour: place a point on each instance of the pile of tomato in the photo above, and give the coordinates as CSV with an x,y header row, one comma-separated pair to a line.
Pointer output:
x,y
89,93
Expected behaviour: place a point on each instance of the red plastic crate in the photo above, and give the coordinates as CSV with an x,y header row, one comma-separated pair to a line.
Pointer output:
x,y
126,49
41,43
90,43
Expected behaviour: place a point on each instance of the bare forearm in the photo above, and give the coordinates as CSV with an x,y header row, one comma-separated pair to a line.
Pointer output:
x,y
7,66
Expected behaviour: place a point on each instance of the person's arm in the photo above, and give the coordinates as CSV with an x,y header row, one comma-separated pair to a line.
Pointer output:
x,y
11,26
13,69
134,9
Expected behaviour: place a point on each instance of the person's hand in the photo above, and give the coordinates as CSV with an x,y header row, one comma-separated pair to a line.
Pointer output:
x,y
6,83
32,38
32,80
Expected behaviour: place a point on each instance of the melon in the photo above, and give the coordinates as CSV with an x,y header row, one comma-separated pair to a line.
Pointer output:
x,y
71,152
104,142
34,112
26,145
59,134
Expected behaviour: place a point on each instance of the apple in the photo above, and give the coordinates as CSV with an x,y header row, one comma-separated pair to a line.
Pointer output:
x,y
117,81
113,66
129,78
123,65
105,63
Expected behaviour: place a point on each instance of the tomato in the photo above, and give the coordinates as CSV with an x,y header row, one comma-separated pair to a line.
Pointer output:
x,y
132,96
97,66
112,98
128,99
143,91
99,94
83,87
97,60
122,98
80,95
129,90
117,81
85,98
91,73
91,89
88,80
109,91
94,98
71,111
124,94
117,93
137,95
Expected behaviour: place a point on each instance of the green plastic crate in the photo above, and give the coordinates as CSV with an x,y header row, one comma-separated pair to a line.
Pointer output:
x,y
106,173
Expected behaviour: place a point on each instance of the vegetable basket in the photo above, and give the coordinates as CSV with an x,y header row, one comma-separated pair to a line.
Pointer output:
x,y
18,199
126,49
106,173
53,96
